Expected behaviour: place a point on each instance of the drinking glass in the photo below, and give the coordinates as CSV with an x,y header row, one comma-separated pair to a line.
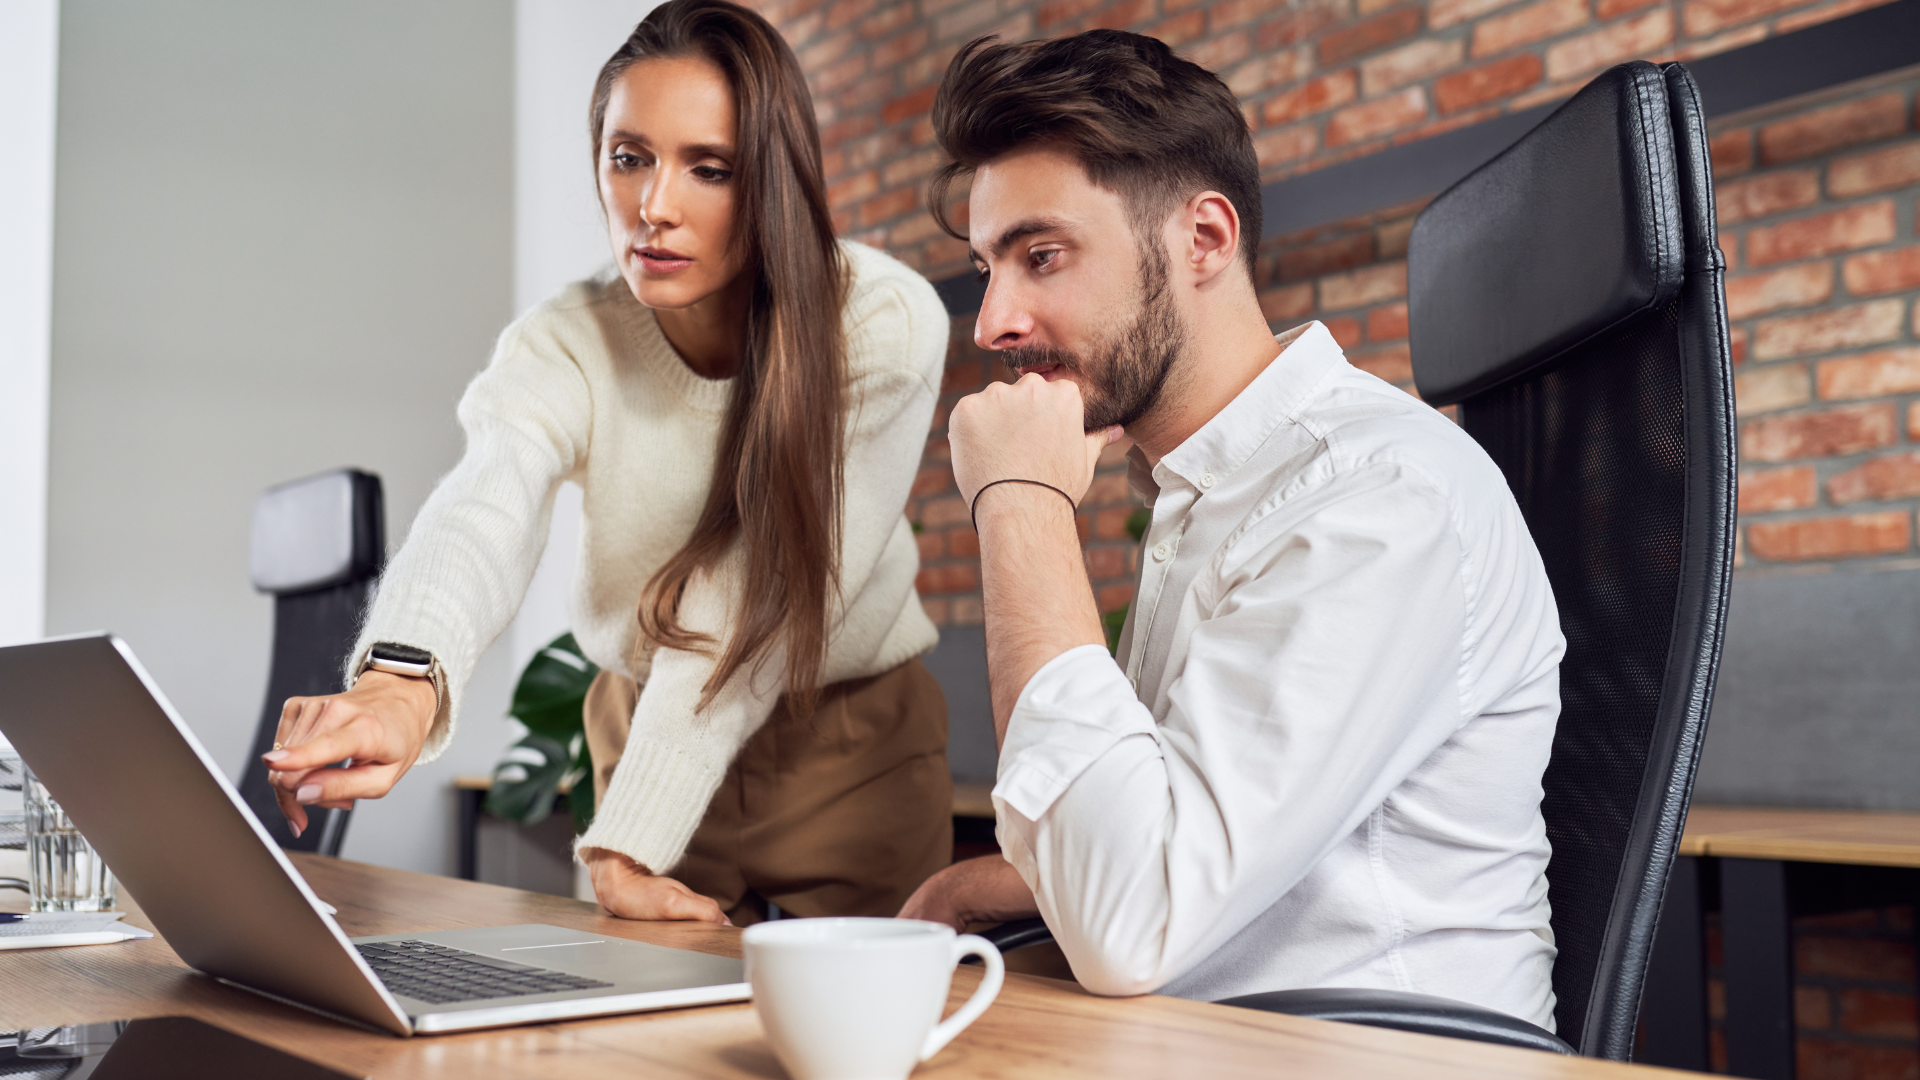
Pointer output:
x,y
64,873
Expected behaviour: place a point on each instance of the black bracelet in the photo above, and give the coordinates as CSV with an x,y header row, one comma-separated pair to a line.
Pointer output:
x,y
973,511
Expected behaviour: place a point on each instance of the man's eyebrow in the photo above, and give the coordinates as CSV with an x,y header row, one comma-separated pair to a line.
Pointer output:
x,y
1023,229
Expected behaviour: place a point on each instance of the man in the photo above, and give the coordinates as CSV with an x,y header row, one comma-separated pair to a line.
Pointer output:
x,y
1316,759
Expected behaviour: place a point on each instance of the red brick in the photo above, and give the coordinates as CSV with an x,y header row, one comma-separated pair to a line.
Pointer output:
x,y
1220,52
963,542
1876,170
893,51
1369,35
936,611
1732,152
1286,144
1107,487
909,105
1608,9
1629,39
1391,237
1392,363
1111,524
932,545
1114,597
1387,323
1823,1059
1791,488
1180,29
1874,374
884,22
1894,476
1410,63
1847,536
1854,958
1770,388
1799,285
1824,331
1441,13
951,578
1126,15
1812,1008
853,189
1827,433
1287,305
915,166
1865,225
1772,193
1825,130
1703,17
1340,253
1296,24
1273,69
1358,288
1858,919
936,513
1356,123
1737,345
1228,13
853,127
1345,330
970,18
1882,271
1325,92
967,611
1486,82
930,481
844,12
888,206
1106,561
1523,26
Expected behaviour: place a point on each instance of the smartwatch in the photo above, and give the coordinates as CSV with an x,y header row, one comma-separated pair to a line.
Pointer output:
x,y
397,659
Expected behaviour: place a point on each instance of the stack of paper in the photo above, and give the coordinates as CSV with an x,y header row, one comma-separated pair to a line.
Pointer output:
x,y
51,929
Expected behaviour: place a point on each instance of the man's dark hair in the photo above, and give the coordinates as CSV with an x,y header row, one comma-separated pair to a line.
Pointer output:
x,y
1141,121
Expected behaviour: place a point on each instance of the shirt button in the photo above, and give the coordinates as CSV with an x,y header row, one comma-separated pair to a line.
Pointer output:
x,y
1206,479
1161,551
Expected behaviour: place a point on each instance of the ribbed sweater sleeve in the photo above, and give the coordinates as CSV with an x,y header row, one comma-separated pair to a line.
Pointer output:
x,y
472,550
675,757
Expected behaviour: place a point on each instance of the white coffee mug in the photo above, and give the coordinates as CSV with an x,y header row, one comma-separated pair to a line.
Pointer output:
x,y
860,999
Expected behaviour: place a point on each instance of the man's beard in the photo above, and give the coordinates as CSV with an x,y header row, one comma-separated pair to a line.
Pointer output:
x,y
1125,381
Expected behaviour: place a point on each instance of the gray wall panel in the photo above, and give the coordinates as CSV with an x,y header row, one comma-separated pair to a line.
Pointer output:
x,y
1818,701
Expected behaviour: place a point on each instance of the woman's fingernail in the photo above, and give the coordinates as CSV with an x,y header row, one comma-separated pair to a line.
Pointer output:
x,y
297,830
275,756
308,793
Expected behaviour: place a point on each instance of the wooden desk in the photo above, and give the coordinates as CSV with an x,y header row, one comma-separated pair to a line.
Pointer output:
x,y
1037,1028
1754,850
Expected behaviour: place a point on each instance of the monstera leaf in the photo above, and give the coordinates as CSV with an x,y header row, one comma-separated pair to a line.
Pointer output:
x,y
549,700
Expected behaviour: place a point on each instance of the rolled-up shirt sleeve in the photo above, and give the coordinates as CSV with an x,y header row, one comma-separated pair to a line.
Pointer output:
x,y
1325,669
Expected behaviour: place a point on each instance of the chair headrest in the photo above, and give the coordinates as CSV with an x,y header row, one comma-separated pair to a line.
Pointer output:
x,y
317,531
1571,230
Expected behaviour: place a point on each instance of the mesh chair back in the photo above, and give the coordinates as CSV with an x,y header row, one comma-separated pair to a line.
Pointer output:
x,y
318,545
1568,297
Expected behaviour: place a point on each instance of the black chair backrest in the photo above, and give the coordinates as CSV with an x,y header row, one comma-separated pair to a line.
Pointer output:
x,y
318,544
1568,297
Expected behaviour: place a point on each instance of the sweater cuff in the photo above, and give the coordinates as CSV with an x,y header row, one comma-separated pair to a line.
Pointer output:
x,y
657,797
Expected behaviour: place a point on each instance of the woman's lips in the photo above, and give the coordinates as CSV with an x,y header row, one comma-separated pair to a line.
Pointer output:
x,y
661,260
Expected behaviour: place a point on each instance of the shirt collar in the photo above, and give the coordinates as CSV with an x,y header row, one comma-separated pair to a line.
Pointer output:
x,y
1274,397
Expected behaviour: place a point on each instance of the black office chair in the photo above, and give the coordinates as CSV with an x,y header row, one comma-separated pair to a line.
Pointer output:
x,y
1568,297
318,545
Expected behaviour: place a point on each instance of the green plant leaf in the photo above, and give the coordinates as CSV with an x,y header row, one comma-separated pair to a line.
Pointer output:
x,y
580,793
553,690
527,779
1138,523
1114,621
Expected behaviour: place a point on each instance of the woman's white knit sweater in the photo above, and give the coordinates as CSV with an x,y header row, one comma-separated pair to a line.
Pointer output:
x,y
586,388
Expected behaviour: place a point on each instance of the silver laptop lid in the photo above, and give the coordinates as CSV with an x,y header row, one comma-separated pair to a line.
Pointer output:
x,y
94,728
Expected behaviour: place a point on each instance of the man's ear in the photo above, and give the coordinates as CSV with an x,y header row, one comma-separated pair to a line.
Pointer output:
x,y
1214,246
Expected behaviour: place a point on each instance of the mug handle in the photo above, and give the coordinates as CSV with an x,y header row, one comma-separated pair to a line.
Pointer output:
x,y
964,946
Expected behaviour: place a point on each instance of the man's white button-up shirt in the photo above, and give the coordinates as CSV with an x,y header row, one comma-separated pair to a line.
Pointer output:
x,y
1316,760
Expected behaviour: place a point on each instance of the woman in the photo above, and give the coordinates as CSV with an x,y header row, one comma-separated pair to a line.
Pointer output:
x,y
744,404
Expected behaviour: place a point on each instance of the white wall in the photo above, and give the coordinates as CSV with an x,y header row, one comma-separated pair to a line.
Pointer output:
x,y
282,244
29,46
558,235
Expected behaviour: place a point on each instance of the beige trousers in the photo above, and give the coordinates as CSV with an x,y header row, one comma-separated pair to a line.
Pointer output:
x,y
844,813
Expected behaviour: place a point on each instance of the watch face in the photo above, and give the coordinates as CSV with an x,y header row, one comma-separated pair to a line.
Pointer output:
x,y
400,654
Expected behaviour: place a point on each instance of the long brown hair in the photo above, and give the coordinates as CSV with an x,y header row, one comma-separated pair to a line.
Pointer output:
x,y
778,477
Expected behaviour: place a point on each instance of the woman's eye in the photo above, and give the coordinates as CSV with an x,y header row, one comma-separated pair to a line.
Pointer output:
x,y
712,174
625,161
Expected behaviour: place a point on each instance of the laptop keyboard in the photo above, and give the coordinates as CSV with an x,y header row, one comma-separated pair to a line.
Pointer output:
x,y
439,975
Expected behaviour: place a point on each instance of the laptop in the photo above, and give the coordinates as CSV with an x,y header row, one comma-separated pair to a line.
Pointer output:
x,y
94,728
